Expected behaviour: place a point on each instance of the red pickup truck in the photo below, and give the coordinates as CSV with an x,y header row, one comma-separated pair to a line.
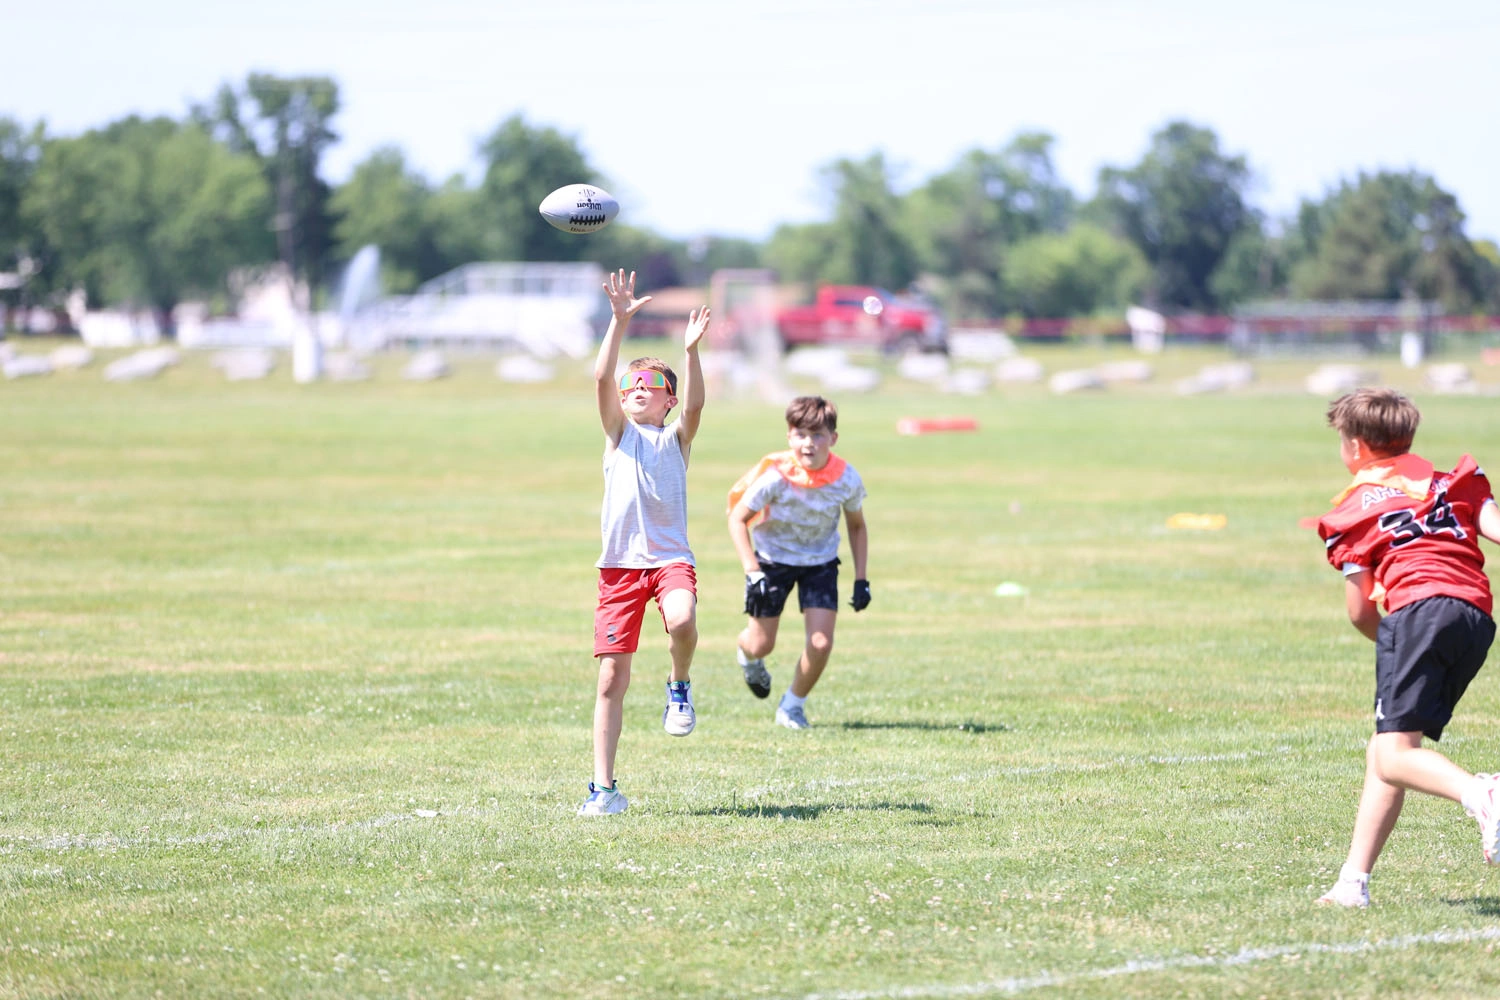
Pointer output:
x,y
864,314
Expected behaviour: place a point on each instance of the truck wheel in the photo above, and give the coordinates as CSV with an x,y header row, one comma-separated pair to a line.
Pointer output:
x,y
907,343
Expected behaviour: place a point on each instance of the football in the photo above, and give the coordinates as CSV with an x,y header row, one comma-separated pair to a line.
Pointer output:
x,y
580,208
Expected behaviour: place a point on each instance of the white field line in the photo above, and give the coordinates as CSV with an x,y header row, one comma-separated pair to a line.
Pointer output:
x,y
1246,956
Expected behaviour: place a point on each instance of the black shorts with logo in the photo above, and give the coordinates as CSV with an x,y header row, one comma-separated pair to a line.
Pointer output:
x,y
817,586
1425,656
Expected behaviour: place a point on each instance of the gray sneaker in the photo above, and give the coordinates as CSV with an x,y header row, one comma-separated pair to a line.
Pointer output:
x,y
757,677
792,718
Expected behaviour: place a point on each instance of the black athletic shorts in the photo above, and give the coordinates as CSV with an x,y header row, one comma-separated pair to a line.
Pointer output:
x,y
817,586
1425,656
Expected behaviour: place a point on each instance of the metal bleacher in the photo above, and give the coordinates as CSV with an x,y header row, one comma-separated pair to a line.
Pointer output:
x,y
543,308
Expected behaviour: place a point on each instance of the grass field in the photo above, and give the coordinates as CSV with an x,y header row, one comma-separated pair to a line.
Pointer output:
x,y
295,694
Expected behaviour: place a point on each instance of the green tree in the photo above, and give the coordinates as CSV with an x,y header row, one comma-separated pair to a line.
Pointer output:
x,y
386,204
1079,272
285,123
148,212
1489,254
1182,205
872,243
21,251
868,241
801,252
524,165
964,218
1388,235
702,257
1255,265
454,216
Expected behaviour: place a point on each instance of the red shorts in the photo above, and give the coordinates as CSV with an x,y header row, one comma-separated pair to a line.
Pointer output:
x,y
623,594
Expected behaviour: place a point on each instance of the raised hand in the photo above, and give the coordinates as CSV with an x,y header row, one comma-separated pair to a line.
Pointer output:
x,y
621,292
697,326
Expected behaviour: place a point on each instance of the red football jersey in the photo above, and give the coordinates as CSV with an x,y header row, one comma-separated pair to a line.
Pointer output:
x,y
1416,547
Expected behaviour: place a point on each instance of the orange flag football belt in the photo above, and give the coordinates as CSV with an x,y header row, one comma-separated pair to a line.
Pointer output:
x,y
1411,474
785,463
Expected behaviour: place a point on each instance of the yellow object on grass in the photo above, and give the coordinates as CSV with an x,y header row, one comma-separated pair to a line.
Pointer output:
x,y
1197,522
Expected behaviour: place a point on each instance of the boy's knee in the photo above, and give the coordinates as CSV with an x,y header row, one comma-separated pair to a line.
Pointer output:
x,y
1385,750
682,623
756,649
820,642
614,677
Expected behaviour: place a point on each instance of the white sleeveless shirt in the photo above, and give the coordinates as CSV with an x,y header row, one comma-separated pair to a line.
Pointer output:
x,y
644,517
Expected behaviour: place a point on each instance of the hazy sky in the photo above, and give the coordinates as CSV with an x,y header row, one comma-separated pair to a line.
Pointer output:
x,y
715,116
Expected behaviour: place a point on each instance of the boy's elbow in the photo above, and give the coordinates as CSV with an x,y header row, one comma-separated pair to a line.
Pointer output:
x,y
1365,619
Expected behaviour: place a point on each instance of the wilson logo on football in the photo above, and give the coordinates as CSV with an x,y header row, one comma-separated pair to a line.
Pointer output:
x,y
579,208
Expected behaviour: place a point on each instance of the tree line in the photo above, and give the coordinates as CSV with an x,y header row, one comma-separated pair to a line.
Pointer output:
x,y
150,212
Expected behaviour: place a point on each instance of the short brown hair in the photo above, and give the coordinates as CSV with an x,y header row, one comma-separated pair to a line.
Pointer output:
x,y
655,365
811,413
1381,418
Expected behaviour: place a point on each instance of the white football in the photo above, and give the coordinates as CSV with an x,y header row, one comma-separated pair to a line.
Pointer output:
x,y
580,208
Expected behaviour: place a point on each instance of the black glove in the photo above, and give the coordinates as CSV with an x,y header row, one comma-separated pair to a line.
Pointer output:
x,y
861,598
759,596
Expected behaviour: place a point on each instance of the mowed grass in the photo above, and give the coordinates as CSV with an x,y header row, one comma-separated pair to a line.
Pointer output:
x,y
296,690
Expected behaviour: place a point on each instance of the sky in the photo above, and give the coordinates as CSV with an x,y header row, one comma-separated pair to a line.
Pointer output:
x,y
715,118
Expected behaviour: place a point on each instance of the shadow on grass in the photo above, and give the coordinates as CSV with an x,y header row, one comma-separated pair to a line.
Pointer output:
x,y
1484,906
762,811
969,726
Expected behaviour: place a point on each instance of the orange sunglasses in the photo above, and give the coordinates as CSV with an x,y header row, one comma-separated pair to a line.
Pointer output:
x,y
648,377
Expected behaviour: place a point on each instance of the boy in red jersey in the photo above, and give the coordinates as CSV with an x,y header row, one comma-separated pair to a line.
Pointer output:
x,y
1407,535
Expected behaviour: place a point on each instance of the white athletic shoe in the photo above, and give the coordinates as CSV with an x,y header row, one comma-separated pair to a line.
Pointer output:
x,y
1487,812
679,718
1351,892
603,801
792,718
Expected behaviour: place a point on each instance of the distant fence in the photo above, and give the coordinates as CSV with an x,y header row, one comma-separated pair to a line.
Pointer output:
x,y
1228,328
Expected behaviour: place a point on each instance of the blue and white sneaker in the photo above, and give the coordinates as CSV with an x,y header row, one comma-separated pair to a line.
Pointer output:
x,y
792,717
603,801
678,719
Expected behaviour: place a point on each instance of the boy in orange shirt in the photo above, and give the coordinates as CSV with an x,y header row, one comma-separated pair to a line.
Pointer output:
x,y
783,518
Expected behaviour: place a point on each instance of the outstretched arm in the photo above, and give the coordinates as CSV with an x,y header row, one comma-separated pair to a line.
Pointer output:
x,y
1363,614
692,378
623,304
